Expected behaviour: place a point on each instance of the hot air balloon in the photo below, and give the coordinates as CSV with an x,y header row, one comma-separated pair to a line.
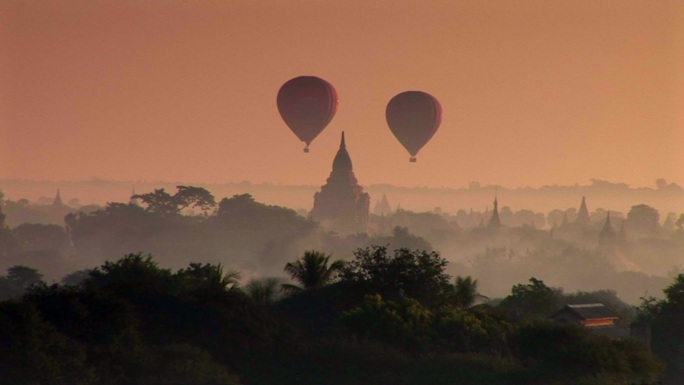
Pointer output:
x,y
413,117
307,104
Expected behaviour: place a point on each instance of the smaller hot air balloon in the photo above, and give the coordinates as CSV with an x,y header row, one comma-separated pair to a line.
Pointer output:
x,y
413,117
307,104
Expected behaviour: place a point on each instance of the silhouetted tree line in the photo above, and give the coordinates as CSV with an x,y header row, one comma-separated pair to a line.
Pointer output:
x,y
663,319
383,317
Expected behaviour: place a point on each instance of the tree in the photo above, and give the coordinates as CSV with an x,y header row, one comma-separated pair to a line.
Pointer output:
x,y
196,197
643,219
32,351
180,364
417,274
402,238
9,243
569,354
680,222
159,201
407,324
403,323
465,292
263,290
133,274
532,301
208,278
667,316
76,278
312,271
237,206
23,277
36,236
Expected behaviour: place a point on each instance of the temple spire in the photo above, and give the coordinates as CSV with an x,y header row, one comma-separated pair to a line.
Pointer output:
x,y
58,200
583,213
342,205
607,235
495,221
342,162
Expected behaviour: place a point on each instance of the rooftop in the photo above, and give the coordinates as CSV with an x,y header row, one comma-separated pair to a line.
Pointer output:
x,y
589,311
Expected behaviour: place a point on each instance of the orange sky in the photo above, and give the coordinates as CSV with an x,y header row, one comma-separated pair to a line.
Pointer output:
x,y
533,92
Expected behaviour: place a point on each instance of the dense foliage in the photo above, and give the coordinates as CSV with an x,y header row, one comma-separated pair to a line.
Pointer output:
x,y
389,318
663,319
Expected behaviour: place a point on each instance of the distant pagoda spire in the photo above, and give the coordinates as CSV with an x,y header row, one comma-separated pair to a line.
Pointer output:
x,y
607,235
583,213
382,206
58,200
495,221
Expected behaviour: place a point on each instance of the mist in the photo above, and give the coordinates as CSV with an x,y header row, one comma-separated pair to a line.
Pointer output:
x,y
271,226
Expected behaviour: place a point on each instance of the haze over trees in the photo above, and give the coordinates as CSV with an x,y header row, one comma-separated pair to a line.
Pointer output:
x,y
258,239
667,197
393,289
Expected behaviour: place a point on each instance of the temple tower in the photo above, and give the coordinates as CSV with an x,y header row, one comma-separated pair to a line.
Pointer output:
x,y
583,213
607,236
342,205
382,207
494,221
57,202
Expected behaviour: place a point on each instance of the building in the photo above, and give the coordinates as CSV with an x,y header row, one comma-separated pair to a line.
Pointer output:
x,y
594,316
382,207
342,205
607,236
583,213
57,202
609,243
495,221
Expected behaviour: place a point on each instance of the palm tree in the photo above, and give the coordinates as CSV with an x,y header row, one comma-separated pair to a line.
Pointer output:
x,y
311,271
465,292
209,277
263,290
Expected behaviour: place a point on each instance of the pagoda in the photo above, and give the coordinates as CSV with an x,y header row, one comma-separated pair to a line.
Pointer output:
x,y
342,205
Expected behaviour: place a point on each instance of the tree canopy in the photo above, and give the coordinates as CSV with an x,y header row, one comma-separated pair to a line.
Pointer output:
x,y
417,274
312,271
161,202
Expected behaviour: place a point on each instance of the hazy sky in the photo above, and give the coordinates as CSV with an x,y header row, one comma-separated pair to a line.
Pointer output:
x,y
533,92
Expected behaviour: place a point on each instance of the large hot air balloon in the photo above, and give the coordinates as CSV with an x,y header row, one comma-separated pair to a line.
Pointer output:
x,y
307,104
413,117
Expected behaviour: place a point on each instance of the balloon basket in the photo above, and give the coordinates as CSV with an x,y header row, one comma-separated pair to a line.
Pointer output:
x,y
412,159
306,149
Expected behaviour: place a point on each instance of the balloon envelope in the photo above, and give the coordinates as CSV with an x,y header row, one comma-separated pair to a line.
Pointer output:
x,y
413,117
307,104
